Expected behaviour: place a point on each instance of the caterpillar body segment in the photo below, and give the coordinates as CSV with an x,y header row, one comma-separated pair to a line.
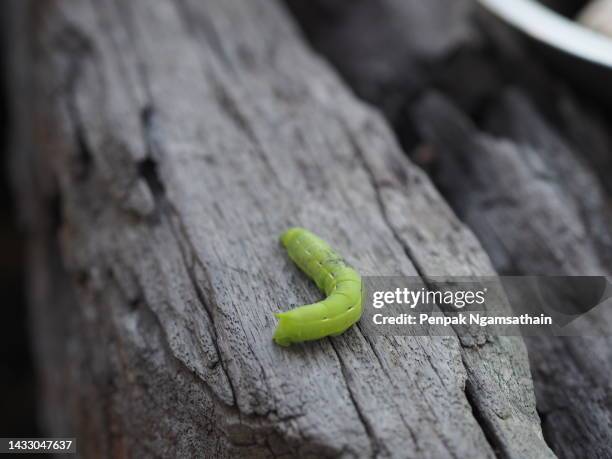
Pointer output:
x,y
339,282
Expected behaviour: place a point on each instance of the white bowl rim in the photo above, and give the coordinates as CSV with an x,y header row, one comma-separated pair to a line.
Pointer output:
x,y
550,27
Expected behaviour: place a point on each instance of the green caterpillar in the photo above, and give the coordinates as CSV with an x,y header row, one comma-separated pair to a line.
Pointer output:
x,y
340,283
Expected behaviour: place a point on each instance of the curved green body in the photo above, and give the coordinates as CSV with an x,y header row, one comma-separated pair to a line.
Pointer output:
x,y
340,283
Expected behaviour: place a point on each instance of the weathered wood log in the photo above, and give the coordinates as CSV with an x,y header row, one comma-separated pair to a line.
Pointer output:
x,y
160,149
537,210
392,51
588,131
528,222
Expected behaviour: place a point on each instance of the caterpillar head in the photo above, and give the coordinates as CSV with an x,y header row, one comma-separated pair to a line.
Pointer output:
x,y
289,236
282,335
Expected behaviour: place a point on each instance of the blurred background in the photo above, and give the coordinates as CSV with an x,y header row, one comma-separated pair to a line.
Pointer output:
x,y
17,382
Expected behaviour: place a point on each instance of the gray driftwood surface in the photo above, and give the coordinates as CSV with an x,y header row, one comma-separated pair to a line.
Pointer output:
x,y
160,148
535,182
520,158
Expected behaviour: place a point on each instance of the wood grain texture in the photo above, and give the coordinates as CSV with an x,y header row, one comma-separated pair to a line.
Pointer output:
x,y
167,145
538,200
537,210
